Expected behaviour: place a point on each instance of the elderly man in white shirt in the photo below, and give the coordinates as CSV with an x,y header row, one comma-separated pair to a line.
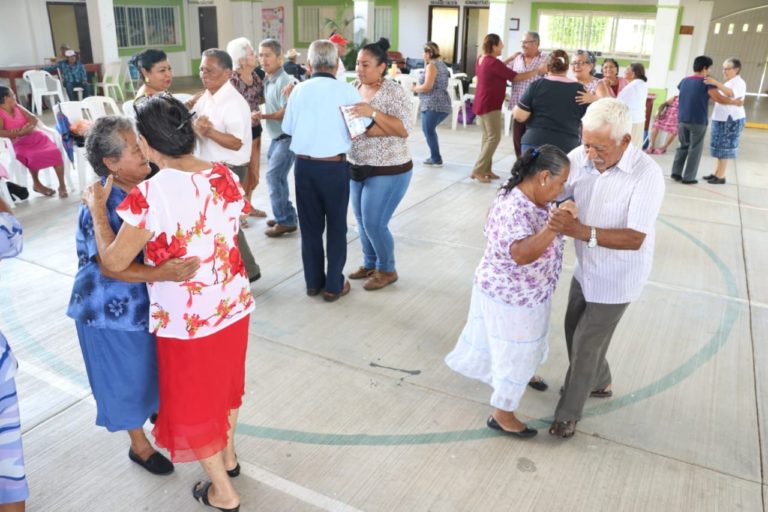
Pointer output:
x,y
618,190
223,126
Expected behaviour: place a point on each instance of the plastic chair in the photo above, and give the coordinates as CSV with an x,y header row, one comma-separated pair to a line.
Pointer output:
x,y
112,80
7,162
100,106
128,109
43,84
456,92
78,111
128,81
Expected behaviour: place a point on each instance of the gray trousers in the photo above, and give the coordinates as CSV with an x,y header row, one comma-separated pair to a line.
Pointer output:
x,y
245,251
691,138
589,327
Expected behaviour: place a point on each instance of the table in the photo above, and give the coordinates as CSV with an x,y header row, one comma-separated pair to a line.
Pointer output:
x,y
12,73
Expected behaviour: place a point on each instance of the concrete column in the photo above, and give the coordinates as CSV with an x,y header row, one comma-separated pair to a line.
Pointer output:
x,y
246,21
666,31
363,24
101,23
498,22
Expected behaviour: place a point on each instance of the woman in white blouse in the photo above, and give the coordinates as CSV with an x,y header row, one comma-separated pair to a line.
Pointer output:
x,y
634,96
727,120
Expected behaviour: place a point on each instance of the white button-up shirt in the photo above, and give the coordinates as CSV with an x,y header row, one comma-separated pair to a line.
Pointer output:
x,y
634,96
628,195
229,113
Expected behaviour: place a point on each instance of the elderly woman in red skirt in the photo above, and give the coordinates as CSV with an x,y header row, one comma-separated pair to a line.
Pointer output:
x,y
190,208
32,147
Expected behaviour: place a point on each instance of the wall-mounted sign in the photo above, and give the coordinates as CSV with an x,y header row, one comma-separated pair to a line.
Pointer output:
x,y
686,30
514,24
478,3
447,3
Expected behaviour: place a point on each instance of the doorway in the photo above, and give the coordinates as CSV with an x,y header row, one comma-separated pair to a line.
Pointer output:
x,y
69,25
444,30
743,35
475,28
209,32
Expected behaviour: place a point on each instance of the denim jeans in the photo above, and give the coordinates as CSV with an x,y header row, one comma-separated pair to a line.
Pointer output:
x,y
280,158
70,87
374,201
429,122
691,138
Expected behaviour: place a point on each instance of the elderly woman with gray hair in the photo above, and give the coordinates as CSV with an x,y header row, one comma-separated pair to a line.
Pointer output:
x,y
111,309
247,80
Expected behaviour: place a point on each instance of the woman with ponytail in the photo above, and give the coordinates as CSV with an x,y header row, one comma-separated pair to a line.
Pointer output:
x,y
505,337
549,108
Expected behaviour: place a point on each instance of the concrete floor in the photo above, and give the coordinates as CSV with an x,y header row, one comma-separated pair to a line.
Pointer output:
x,y
350,407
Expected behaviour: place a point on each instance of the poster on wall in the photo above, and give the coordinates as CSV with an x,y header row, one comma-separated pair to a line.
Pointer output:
x,y
273,23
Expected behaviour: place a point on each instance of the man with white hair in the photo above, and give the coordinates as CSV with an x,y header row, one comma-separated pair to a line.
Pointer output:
x,y
618,190
320,140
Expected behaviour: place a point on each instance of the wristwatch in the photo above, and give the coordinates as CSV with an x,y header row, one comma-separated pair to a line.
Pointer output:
x,y
592,238
373,116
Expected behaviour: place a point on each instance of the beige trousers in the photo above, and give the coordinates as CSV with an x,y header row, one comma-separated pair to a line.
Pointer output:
x,y
637,135
491,124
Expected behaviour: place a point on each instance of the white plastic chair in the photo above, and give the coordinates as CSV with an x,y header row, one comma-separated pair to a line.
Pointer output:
x,y
8,162
128,109
407,82
456,92
127,81
77,111
100,106
43,84
112,80
21,174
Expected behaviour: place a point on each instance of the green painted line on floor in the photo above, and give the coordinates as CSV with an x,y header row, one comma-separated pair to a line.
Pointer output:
x,y
682,372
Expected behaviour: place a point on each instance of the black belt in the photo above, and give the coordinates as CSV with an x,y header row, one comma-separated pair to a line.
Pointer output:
x,y
283,136
335,158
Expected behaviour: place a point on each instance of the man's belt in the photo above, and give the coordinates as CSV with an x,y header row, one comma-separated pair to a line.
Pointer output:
x,y
335,158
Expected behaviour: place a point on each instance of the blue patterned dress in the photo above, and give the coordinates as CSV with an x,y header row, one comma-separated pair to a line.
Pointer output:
x,y
13,481
112,322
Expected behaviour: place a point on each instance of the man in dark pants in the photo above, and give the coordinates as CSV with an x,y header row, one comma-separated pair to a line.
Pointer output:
x,y
320,140
618,190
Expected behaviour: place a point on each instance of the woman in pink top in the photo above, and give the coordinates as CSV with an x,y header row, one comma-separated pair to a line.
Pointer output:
x,y
32,147
492,76
190,208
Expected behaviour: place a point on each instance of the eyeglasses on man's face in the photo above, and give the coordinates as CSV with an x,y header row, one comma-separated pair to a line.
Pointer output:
x,y
528,41
579,63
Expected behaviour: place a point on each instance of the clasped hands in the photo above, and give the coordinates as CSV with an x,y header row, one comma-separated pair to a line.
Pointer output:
x,y
565,219
203,125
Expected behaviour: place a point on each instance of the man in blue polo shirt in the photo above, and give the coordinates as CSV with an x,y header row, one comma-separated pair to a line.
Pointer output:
x,y
692,119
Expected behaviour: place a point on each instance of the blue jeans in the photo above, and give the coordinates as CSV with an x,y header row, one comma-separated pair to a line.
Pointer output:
x,y
374,201
322,194
70,87
280,158
429,122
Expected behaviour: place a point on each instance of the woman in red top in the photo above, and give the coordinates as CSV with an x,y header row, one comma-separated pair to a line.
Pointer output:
x,y
492,76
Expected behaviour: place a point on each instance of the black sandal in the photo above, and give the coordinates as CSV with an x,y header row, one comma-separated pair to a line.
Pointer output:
x,y
201,495
563,429
538,383
234,471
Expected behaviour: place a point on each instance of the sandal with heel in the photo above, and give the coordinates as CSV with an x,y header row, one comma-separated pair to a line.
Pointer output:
x,y
200,493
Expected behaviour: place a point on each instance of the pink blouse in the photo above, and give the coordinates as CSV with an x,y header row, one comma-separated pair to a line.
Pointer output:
x,y
193,214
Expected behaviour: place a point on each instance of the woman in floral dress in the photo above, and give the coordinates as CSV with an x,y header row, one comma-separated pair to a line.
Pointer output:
x,y
505,337
190,208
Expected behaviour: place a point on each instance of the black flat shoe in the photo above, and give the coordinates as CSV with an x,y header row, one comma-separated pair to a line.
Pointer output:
x,y
522,434
157,463
200,493
17,192
689,182
709,177
677,177
538,384
234,472
717,181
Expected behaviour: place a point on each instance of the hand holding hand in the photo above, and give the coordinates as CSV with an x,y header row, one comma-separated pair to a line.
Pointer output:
x,y
178,269
95,195
255,116
203,125
570,207
563,221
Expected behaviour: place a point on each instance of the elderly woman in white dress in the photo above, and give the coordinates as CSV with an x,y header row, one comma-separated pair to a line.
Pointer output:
x,y
505,337
634,96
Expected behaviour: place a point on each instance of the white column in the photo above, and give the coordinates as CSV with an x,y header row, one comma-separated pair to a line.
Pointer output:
x,y
664,40
246,21
101,23
363,24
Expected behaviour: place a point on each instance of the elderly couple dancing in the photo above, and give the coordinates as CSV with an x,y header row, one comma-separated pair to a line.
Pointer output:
x,y
611,193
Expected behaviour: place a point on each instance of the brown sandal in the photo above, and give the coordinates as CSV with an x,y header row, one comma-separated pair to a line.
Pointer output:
x,y
482,178
46,191
562,429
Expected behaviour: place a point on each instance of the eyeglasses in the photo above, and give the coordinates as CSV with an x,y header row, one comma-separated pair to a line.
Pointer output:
x,y
579,63
727,69
528,41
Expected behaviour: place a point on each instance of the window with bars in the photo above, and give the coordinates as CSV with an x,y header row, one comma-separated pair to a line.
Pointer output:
x,y
382,23
620,34
317,22
146,26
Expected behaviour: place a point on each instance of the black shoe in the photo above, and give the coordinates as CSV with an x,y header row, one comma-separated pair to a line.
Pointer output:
x,y
689,182
538,385
200,493
311,292
255,278
523,434
17,191
677,177
717,181
157,463
234,472
709,177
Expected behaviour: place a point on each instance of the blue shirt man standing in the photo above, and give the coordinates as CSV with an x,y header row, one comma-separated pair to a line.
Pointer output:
x,y
320,140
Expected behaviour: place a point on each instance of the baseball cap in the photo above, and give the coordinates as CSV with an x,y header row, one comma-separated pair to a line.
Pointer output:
x,y
338,39
69,53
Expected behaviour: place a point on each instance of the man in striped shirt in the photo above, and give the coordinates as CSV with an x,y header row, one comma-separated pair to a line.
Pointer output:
x,y
529,59
618,190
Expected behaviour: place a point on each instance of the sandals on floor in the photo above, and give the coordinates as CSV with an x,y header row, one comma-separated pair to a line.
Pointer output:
x,y
538,383
234,472
563,429
482,178
255,212
44,191
200,493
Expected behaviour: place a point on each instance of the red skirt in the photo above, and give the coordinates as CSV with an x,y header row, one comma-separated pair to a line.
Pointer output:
x,y
201,380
